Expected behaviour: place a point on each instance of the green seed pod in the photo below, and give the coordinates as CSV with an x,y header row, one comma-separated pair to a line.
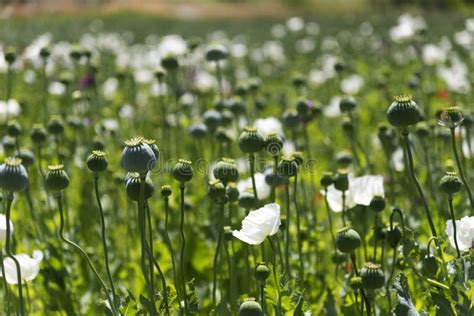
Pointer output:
x,y
298,80
450,183
44,52
14,129
355,283
430,265
153,146
344,159
223,135
66,78
393,237
182,171
97,162
377,204
170,62
56,125
262,272
56,179
137,156
273,145
10,55
198,131
13,175
422,130
347,104
298,157
133,183
38,134
403,112
160,73
451,117
216,190
166,190
8,144
372,276
250,308
216,52
27,157
250,141
232,192
287,167
226,170
341,180
347,126
327,179
347,240
338,257
75,53
212,119
291,119
302,107
247,199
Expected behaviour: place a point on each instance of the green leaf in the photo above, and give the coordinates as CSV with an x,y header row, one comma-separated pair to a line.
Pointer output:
x,y
405,305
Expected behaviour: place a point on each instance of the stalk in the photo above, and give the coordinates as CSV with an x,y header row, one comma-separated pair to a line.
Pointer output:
x,y
252,173
288,238
460,168
298,231
453,219
183,244
217,252
170,246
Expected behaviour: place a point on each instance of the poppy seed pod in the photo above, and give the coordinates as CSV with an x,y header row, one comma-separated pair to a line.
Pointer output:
x,y
298,80
10,55
137,156
341,180
56,125
347,104
291,119
273,144
56,179
298,157
198,131
250,308
262,272
226,170
403,112
182,171
38,134
247,199
216,190
422,130
393,237
44,52
14,129
377,204
451,117
13,175
27,157
287,167
216,52
372,276
8,144
355,283
232,192
250,141
347,240
429,265
450,183
327,179
338,257
302,107
75,53
97,162
212,119
170,62
222,135
347,125
344,159
153,146
166,190
159,73
133,183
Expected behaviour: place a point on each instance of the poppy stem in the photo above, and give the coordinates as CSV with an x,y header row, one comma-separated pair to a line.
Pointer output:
x,y
298,230
183,245
252,174
453,219
170,246
217,252
288,237
460,168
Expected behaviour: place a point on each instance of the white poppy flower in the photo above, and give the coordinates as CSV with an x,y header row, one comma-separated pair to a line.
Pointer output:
x,y
464,232
433,54
3,227
259,224
56,88
295,24
9,109
269,125
352,84
263,189
361,191
29,267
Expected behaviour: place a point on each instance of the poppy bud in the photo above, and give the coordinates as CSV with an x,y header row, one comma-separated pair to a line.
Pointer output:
x,y
403,112
56,179
430,265
450,183
166,190
97,162
262,272
372,276
216,190
451,117
132,186
13,175
338,257
347,240
341,180
14,129
27,157
377,204
56,125
232,192
183,172
287,167
327,179
10,55
355,283
393,237
216,52
137,156
38,134
226,171
250,308
247,199
250,141
291,119
153,146
198,131
273,145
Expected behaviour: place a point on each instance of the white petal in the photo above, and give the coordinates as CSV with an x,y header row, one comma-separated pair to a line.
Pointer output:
x,y
364,188
259,224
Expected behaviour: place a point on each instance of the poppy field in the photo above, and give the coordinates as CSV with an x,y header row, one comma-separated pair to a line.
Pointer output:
x,y
290,167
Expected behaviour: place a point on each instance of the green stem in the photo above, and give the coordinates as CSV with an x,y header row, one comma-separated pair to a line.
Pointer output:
x,y
331,229
252,173
451,210
183,245
298,230
288,238
170,246
277,282
460,168
344,208
262,298
274,180
217,252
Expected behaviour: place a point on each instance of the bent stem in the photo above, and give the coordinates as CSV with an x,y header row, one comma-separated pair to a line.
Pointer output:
x,y
460,168
183,244
10,254
453,219
104,239
81,251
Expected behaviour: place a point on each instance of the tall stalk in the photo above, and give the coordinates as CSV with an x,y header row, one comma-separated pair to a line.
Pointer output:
x,y
183,245
453,219
170,246
220,228
461,169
